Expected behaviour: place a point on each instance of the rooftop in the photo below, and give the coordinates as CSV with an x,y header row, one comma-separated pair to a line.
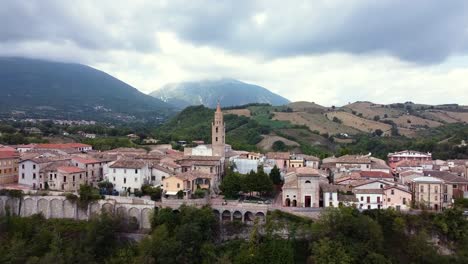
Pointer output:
x,y
70,169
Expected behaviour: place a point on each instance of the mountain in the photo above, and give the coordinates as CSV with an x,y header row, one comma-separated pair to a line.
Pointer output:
x,y
46,89
229,92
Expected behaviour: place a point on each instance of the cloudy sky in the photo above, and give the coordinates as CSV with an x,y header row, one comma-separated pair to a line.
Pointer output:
x,y
325,51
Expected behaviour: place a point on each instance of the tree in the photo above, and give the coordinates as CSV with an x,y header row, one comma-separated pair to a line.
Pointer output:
x,y
231,184
279,146
327,251
378,132
376,118
275,175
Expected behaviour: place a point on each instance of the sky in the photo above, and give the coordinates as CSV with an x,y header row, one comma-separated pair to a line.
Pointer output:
x,y
325,51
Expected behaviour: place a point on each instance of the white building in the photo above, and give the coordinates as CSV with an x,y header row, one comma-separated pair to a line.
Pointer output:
x,y
128,175
30,171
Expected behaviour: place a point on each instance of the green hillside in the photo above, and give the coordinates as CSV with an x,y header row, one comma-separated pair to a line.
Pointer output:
x,y
45,89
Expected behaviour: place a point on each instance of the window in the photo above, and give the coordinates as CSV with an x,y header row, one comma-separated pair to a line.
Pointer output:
x,y
307,181
362,198
136,171
22,176
34,176
404,200
435,198
136,179
80,176
392,192
368,199
114,178
125,180
422,188
22,166
436,189
368,207
381,186
388,200
64,178
178,185
454,186
34,166
378,199
114,170
216,139
216,129
73,177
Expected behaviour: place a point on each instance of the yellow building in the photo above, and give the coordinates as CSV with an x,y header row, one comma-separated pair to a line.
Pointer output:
x,y
427,192
9,159
188,182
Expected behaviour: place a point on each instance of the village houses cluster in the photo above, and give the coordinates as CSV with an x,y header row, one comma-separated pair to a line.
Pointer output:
x,y
406,179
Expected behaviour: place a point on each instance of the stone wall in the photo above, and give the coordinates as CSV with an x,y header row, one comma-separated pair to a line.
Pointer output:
x,y
60,207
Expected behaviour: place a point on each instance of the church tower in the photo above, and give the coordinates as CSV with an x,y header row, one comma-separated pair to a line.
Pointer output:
x,y
218,133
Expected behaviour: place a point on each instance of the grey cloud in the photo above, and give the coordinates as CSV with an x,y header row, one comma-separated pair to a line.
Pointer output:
x,y
419,31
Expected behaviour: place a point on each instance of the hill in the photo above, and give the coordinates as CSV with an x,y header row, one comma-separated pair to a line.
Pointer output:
x,y
45,89
229,92
320,131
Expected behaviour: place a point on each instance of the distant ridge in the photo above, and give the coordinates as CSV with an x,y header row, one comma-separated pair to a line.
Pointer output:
x,y
230,92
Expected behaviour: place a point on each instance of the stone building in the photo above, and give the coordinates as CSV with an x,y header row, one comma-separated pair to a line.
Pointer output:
x,y
302,188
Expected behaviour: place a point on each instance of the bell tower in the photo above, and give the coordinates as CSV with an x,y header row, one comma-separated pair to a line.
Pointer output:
x,y
218,133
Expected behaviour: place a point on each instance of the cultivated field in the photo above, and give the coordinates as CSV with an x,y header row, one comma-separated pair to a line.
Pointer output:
x,y
317,122
410,121
268,140
359,123
369,110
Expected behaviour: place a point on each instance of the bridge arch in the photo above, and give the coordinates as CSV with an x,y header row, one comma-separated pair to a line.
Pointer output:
x,y
226,216
237,216
28,207
56,208
43,207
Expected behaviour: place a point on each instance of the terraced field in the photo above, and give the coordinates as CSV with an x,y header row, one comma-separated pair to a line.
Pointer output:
x,y
362,124
315,122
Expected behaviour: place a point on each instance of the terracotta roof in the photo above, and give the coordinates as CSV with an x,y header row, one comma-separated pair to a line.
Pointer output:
x,y
375,174
6,149
70,169
128,164
353,159
307,171
9,155
53,166
61,146
86,160
278,155
446,176
333,188
40,160
161,168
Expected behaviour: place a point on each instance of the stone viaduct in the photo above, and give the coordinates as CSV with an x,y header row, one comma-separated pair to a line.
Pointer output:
x,y
139,210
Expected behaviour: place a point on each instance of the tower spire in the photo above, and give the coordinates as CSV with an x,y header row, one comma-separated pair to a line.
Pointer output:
x,y
218,107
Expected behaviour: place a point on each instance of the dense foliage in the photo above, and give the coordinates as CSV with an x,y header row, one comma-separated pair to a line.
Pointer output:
x,y
234,183
193,235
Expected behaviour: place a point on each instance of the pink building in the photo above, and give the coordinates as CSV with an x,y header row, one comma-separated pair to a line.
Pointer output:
x,y
408,155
